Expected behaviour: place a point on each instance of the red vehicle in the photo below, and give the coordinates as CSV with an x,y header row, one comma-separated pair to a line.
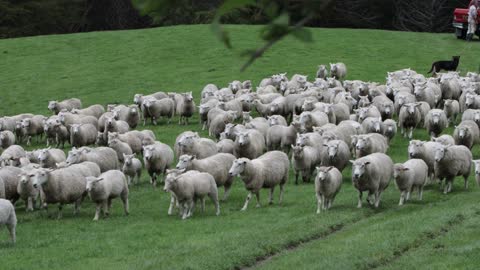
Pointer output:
x,y
460,22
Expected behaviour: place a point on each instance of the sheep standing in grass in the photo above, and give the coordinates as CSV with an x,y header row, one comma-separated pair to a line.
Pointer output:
x,y
281,137
473,115
304,161
187,187
128,114
33,127
389,129
132,168
444,139
192,144
249,144
109,185
451,108
8,218
157,157
104,157
372,173
426,152
322,72
435,122
121,148
373,125
82,135
13,154
338,71
452,161
408,176
466,133
336,154
216,165
185,108
308,120
50,157
327,185
95,110
9,181
267,171
476,163
68,104
155,109
370,143
133,138
409,118
7,138
25,188
112,125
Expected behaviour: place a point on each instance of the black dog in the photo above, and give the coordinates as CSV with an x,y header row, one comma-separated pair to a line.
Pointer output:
x,y
445,65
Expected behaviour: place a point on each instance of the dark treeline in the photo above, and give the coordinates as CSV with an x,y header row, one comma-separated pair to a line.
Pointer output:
x,y
33,17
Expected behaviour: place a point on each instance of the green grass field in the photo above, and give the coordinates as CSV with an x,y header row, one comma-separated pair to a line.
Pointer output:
x,y
108,67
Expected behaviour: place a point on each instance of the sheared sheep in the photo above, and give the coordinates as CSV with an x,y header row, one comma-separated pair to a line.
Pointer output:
x,y
327,185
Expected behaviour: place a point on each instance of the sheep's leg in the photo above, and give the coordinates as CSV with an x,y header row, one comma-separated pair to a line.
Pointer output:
x,y
324,203
319,203
98,208
29,140
420,193
409,192
59,215
48,142
11,228
191,208
257,195
109,206
144,121
377,199
214,197
129,180
185,210
465,179
410,133
448,186
330,201
29,204
125,204
172,204
402,197
249,196
270,198
359,204
154,120
282,189
203,204
226,193
296,177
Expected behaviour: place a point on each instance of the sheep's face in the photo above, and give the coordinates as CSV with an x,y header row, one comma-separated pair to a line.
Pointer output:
x,y
113,143
283,87
275,108
188,97
61,117
243,138
477,166
203,109
440,152
358,168
92,183
137,99
414,148
146,103
112,136
238,167
469,100
18,125
39,177
43,155
186,140
389,128
148,152
387,109
99,139
377,125
272,120
398,170
110,122
361,143
411,108
246,117
74,157
332,149
302,80
333,68
26,123
436,118
308,105
25,177
476,116
362,113
463,132
419,90
52,105
364,101
148,141
302,139
128,159
229,129
75,128
297,151
184,161
133,110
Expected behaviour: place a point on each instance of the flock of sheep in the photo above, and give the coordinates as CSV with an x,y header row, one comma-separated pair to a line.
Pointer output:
x,y
323,125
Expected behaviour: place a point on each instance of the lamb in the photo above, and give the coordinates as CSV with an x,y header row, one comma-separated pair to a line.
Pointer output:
x,y
249,144
132,168
157,158
61,134
372,173
13,154
389,129
128,114
62,186
216,165
95,110
67,119
409,118
435,122
262,109
133,138
158,108
48,129
327,185
373,125
9,182
401,99
68,104
322,72
112,125
336,154
276,120
304,161
466,133
408,176
225,145
384,105
109,185
203,110
187,187
185,107
370,143
280,137
338,71
33,127
7,138
364,102
8,218
452,161
451,108
444,139
104,157
25,188
208,90
424,93
231,130
426,152
473,115
267,171
50,157
121,148
310,119
103,119
82,135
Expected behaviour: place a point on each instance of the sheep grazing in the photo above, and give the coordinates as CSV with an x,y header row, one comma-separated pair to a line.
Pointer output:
x,y
48,158
444,139
109,185
408,176
435,122
322,72
121,148
155,109
7,138
280,137
338,71
409,118
370,143
68,104
157,157
132,168
192,144
267,171
304,161
62,186
104,157
8,218
466,133
249,144
82,135
327,185
452,161
336,154
451,108
187,187
372,173
185,107
95,110
389,129
216,165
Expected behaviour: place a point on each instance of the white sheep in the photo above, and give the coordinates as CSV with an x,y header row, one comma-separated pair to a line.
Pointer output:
x,y
121,148
104,157
7,138
155,109
109,185
451,108
310,119
128,114
452,161
157,157
8,218
408,176
216,165
50,157
444,139
185,107
466,133
389,129
304,161
267,171
25,188
322,72
12,155
9,181
82,135
473,115
370,143
409,118
133,138
372,173
68,104
373,125
94,110
336,153
276,120
327,185
435,122
192,144
132,168
476,163
338,71
33,127
249,144
281,137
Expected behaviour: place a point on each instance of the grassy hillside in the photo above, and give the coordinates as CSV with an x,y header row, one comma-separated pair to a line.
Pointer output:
x,y
111,67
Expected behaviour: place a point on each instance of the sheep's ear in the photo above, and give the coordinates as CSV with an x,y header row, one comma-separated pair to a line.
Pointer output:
x,y
292,146
318,168
368,162
329,168
326,145
98,179
352,161
193,157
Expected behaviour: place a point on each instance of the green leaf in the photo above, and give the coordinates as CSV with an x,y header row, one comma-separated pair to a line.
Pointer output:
x,y
303,34
230,5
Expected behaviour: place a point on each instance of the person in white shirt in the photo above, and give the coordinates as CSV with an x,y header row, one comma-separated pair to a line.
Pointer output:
x,y
472,20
